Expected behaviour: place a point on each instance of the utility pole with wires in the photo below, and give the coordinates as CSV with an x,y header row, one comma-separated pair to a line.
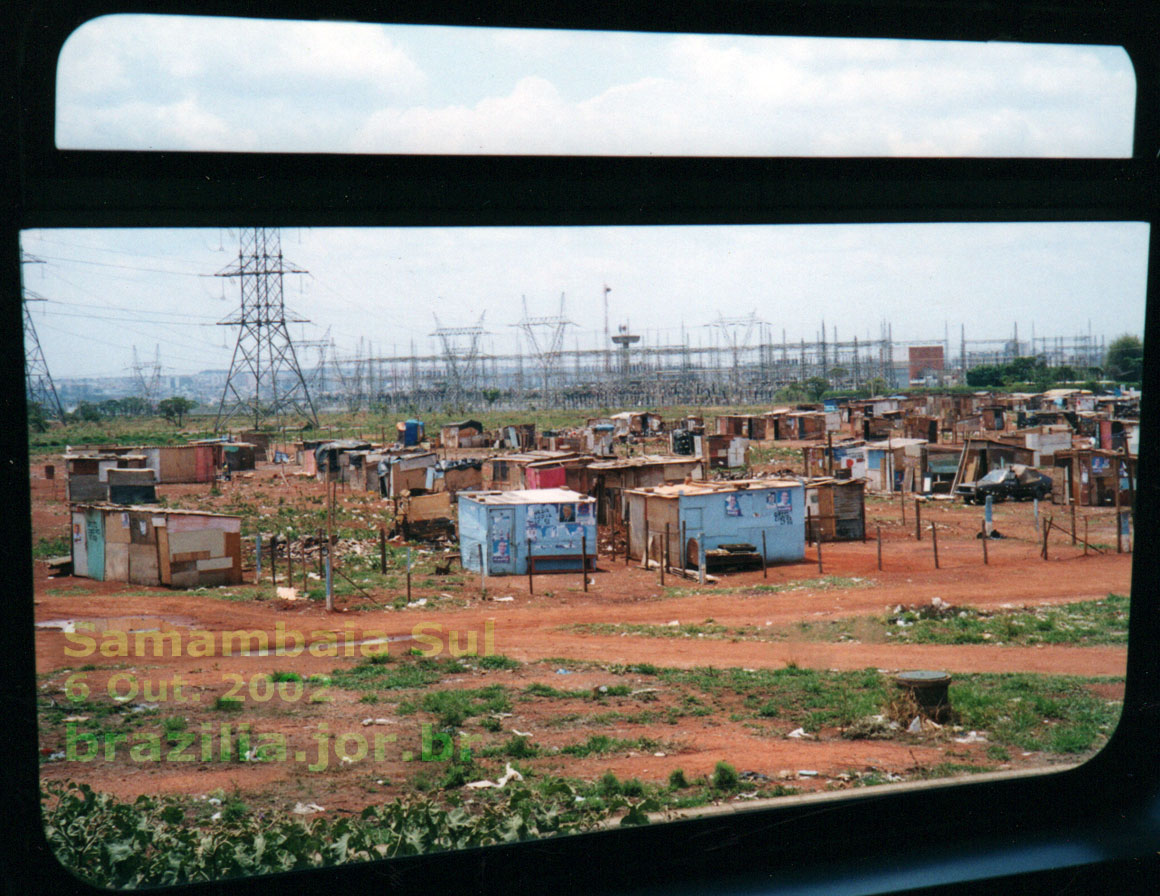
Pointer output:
x,y
264,378
37,380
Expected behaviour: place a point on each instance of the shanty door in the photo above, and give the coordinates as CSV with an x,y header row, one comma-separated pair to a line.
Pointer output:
x,y
79,554
95,544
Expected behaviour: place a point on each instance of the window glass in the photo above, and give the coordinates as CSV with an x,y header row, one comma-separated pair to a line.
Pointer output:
x,y
851,383
189,83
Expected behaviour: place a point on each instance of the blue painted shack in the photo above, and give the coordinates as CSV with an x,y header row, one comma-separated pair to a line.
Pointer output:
x,y
707,515
552,529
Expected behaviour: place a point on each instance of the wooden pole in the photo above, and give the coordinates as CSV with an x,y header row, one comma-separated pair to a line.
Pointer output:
x,y
1119,527
318,541
917,520
627,541
273,560
879,530
409,571
809,525
531,584
1073,524
482,575
763,573
934,541
902,504
664,558
1085,536
305,575
329,540
684,552
382,551
983,533
819,553
257,559
584,560
290,563
1046,529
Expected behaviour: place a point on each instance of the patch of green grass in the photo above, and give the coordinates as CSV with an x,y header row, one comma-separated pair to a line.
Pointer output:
x,y
378,675
1085,622
454,707
228,704
1050,713
536,689
498,662
285,676
822,583
55,546
599,744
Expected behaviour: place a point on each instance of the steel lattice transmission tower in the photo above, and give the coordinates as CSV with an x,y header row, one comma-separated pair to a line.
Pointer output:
x,y
737,332
264,379
461,352
38,381
549,347
147,388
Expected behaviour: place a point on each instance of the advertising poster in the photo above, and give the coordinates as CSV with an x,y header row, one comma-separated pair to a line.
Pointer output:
x,y
732,505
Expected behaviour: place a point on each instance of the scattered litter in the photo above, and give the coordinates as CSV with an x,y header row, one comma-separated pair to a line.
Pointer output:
x,y
76,718
503,599
287,593
807,773
510,774
972,738
53,757
563,671
915,727
753,776
659,755
674,623
421,602
799,733
938,603
748,795
378,721
217,816
521,733
214,801
304,808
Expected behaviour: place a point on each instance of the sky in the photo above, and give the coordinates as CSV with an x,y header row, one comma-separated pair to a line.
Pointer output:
x,y
151,82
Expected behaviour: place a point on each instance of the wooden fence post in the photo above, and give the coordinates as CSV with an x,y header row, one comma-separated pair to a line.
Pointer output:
x,y
531,586
584,558
879,531
983,534
763,548
934,541
917,520
382,551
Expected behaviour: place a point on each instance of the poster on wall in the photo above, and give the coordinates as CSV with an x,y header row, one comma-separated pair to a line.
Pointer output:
x,y
781,498
562,525
501,550
732,505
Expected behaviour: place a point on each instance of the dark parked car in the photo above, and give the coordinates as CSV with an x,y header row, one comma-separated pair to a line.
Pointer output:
x,y
1018,482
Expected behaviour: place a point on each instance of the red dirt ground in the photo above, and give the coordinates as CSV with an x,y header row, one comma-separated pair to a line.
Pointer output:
x,y
530,628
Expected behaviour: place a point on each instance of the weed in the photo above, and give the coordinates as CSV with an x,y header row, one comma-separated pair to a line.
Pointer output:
x,y
228,704
677,779
725,777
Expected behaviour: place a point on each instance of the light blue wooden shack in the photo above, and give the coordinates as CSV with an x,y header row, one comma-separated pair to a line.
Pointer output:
x,y
552,529
706,515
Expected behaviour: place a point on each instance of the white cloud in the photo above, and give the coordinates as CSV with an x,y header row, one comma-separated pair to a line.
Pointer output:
x,y
302,86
